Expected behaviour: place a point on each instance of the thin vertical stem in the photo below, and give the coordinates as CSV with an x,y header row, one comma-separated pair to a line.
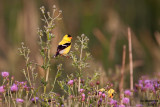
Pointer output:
x,y
26,100
47,62
6,102
9,100
28,74
48,67
79,84
130,59
122,72
54,81
80,68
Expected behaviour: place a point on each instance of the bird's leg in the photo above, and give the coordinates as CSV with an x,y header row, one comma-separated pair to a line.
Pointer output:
x,y
67,56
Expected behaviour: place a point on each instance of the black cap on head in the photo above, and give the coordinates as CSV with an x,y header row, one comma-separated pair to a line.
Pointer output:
x,y
69,35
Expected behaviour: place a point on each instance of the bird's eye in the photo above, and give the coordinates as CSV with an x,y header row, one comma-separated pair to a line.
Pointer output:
x,y
69,35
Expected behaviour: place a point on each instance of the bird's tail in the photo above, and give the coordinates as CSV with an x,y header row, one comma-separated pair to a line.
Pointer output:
x,y
57,53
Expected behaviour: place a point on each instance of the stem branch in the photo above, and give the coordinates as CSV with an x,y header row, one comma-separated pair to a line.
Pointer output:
x,y
130,59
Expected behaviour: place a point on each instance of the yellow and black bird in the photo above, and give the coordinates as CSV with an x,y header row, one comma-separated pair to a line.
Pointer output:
x,y
64,46
111,93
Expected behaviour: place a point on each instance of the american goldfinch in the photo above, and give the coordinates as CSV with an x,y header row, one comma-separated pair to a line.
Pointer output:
x,y
111,93
64,46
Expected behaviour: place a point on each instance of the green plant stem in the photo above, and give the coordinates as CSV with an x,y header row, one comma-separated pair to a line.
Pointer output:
x,y
73,91
11,96
76,93
45,19
5,99
48,69
30,97
4,81
9,99
27,100
80,68
54,81
79,83
48,53
28,73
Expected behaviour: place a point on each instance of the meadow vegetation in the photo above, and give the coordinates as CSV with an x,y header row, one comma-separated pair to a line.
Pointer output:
x,y
78,89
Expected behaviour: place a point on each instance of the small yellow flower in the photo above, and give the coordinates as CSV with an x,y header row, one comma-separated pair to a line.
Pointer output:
x,y
102,90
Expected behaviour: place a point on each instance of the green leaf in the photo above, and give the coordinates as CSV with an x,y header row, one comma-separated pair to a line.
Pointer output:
x,y
65,87
58,74
44,82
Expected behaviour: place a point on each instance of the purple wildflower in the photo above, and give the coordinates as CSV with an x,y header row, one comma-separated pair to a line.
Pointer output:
x,y
99,102
2,89
140,81
14,88
125,100
5,74
35,99
103,95
99,93
81,90
122,105
70,82
149,85
147,81
83,97
156,85
18,100
113,102
127,92
22,84
140,85
12,78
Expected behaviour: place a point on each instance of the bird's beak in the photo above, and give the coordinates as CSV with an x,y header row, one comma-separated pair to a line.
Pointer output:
x,y
70,37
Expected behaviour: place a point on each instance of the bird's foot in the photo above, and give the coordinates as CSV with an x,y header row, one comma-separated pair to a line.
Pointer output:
x,y
68,57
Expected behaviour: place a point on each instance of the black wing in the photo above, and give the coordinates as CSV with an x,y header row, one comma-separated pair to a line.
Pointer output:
x,y
61,47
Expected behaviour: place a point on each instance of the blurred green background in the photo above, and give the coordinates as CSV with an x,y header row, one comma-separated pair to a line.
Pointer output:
x,y
105,22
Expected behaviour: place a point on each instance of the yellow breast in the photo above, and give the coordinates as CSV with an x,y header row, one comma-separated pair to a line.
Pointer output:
x,y
65,51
